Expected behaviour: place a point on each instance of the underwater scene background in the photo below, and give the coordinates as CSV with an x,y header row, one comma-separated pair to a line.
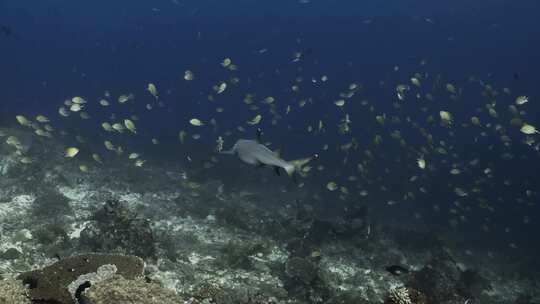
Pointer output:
x,y
114,116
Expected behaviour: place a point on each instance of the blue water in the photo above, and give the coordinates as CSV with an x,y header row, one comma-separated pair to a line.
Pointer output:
x,y
60,49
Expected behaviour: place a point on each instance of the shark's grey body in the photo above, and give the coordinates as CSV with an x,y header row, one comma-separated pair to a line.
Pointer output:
x,y
254,153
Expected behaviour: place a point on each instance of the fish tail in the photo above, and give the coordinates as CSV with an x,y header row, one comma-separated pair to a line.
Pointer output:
x,y
297,164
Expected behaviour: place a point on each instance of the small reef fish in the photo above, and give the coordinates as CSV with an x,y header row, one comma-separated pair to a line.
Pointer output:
x,y
396,270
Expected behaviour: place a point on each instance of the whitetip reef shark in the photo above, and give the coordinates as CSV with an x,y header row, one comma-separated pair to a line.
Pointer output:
x,y
254,153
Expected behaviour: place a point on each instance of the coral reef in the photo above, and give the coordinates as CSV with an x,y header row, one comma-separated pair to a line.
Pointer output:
x,y
471,284
399,295
210,292
417,297
116,228
301,269
60,281
121,290
103,272
236,254
302,280
10,254
212,243
405,295
442,280
438,280
50,205
13,292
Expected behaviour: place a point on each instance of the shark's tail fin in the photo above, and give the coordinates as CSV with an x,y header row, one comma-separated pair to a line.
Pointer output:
x,y
297,164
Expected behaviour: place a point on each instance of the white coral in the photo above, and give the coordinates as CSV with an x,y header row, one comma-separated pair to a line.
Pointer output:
x,y
103,272
400,295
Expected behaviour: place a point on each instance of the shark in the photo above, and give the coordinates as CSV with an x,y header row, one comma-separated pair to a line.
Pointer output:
x,y
254,153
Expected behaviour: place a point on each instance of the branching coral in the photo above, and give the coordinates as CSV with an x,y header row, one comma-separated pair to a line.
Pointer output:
x,y
399,295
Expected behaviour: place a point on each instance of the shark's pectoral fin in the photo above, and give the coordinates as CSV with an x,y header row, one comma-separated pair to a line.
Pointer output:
x,y
260,165
276,169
